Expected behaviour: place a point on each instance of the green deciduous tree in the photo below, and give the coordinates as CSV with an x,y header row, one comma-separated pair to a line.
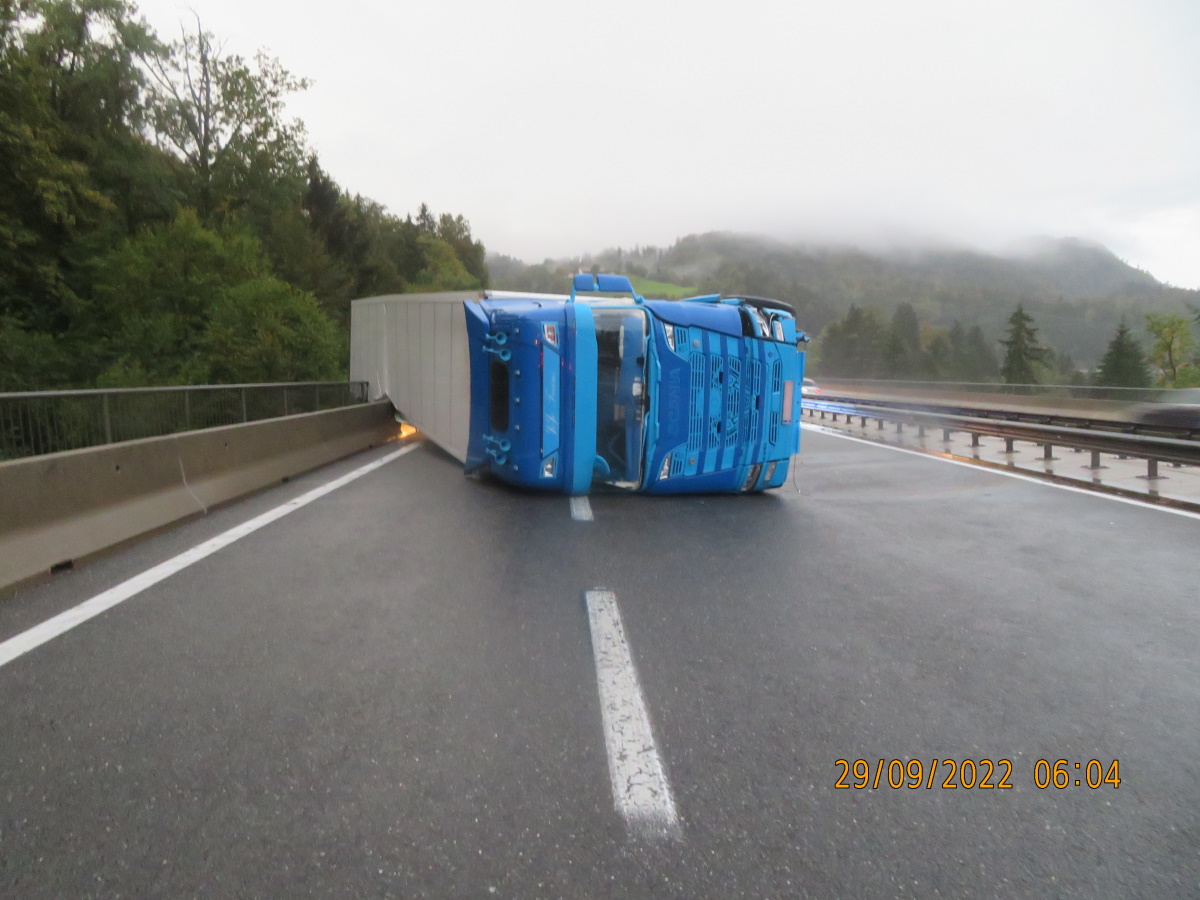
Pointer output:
x,y
1021,350
153,297
266,330
1124,363
1172,347
223,116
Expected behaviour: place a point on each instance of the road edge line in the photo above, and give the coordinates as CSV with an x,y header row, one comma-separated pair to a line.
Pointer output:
x,y
46,631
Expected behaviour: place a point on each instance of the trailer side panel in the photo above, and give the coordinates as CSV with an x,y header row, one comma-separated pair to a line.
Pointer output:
x,y
412,348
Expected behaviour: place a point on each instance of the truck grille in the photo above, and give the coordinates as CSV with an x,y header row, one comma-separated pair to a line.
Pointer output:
x,y
696,407
733,400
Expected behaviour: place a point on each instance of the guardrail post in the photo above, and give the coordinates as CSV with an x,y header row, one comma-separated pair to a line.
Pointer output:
x,y
1008,445
187,410
864,422
880,424
245,418
920,431
1095,461
899,428
107,422
946,435
833,416
974,440
1152,469
1048,452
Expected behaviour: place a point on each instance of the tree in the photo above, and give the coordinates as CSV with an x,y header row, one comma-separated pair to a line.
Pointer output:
x,y
901,352
1021,350
223,117
154,296
1172,347
456,231
69,91
1124,363
264,330
851,347
938,359
979,363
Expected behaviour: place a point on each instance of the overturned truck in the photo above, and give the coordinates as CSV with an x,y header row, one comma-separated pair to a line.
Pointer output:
x,y
596,388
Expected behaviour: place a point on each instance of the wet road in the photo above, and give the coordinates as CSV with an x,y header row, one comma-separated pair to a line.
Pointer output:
x,y
396,690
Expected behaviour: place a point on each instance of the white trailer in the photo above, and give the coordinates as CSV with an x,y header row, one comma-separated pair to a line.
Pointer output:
x,y
412,349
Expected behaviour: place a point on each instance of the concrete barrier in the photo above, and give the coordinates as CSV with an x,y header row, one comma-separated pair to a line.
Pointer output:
x,y
63,506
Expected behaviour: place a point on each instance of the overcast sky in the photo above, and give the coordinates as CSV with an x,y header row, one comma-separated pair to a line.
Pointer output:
x,y
559,128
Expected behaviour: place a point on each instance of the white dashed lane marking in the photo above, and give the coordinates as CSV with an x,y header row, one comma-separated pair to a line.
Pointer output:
x,y
640,789
581,509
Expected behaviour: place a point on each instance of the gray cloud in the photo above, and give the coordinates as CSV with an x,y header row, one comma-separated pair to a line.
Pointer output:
x,y
559,128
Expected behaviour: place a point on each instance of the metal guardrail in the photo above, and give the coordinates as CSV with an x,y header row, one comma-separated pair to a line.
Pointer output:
x,y
1106,437
38,422
1065,391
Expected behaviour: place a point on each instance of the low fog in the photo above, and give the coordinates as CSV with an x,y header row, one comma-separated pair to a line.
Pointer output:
x,y
559,129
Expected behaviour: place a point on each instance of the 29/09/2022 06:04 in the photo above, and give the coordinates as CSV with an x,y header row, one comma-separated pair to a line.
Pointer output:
x,y
1060,774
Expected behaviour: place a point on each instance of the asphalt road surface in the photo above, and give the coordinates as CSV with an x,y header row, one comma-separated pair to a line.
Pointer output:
x,y
420,685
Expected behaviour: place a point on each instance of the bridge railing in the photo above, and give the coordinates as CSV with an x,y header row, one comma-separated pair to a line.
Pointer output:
x,y
40,422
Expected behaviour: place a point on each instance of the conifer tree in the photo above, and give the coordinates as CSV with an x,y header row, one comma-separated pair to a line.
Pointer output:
x,y
1124,363
1021,350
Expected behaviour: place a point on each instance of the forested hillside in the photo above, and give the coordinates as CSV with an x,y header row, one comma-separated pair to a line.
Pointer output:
x,y
162,222
1077,292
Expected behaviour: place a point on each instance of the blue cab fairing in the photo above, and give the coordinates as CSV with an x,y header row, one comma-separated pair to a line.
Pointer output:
x,y
654,396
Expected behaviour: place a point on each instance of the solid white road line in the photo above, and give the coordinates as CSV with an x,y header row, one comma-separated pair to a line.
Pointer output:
x,y
77,615
581,509
640,789
1132,501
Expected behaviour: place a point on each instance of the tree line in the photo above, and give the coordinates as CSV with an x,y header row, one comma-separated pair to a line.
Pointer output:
x,y
864,344
163,222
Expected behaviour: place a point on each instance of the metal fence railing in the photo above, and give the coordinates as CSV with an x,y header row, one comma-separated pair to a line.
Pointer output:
x,y
38,422
1071,391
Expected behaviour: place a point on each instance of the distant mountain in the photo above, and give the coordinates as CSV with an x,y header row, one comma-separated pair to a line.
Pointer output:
x,y
1077,290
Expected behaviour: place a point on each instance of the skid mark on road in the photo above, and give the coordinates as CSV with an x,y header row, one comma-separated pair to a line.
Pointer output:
x,y
77,615
640,788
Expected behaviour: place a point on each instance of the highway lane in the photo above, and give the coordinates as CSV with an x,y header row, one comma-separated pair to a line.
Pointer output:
x,y
391,692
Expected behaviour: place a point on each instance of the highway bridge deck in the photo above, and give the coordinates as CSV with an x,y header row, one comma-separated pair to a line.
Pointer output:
x,y
392,691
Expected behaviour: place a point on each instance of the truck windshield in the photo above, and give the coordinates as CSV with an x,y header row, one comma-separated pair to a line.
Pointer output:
x,y
621,396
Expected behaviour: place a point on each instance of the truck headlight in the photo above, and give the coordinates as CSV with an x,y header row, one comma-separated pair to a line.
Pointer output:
x,y
666,469
549,466
752,477
670,330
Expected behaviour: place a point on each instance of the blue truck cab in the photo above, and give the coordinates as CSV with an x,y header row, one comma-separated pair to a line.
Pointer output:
x,y
603,388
